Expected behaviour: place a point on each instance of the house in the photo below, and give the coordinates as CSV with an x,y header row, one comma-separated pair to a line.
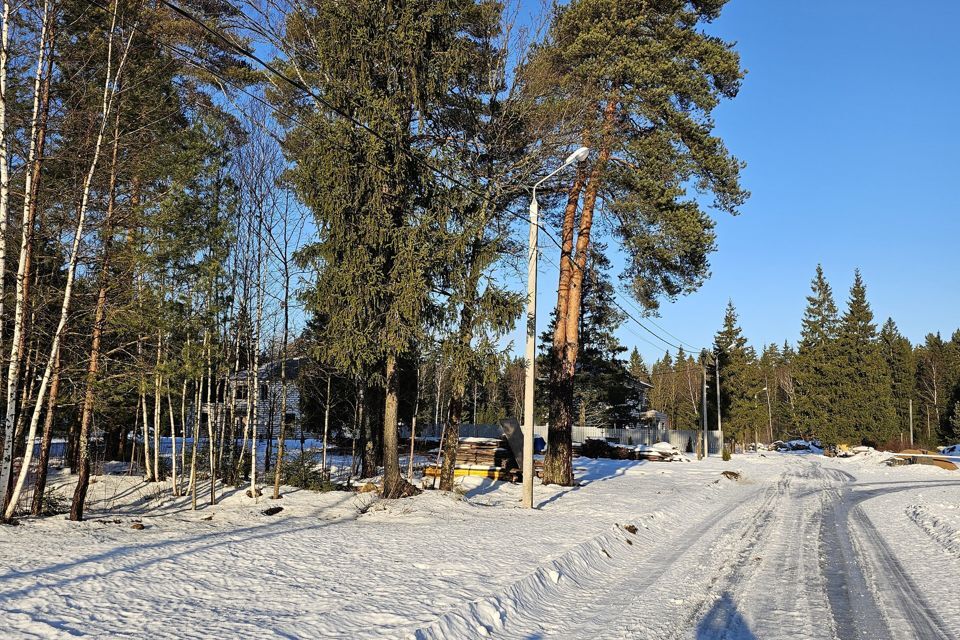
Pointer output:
x,y
270,410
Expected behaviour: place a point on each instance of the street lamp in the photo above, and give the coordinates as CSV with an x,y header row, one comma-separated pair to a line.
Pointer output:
x,y
577,156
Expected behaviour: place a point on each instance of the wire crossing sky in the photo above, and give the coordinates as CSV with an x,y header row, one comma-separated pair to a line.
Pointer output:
x,y
847,122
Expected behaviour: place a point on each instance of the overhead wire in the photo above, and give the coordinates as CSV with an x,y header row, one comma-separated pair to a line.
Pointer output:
x,y
198,60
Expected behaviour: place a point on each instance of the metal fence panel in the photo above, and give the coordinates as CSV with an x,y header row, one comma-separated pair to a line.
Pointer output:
x,y
680,438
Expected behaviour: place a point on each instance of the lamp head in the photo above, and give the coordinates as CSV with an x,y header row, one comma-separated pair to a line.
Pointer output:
x,y
577,156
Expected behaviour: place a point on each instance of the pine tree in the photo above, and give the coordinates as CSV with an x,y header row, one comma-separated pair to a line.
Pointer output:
x,y
644,108
602,385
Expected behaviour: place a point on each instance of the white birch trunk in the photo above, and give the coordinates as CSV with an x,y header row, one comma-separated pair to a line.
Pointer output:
x,y
175,486
255,391
326,427
16,355
147,461
109,93
211,419
193,455
156,411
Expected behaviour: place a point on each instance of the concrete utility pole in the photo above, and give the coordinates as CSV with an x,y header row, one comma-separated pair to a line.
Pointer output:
x,y
706,434
911,422
769,413
527,465
716,364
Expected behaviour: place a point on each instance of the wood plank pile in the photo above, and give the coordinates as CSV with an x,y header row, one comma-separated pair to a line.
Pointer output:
x,y
489,452
485,457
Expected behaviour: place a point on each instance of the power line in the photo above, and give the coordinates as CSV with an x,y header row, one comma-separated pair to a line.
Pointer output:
x,y
662,328
300,86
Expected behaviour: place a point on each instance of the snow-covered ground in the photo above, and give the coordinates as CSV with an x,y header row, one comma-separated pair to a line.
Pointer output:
x,y
800,546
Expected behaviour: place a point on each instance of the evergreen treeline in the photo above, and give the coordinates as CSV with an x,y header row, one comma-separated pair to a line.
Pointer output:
x,y
848,380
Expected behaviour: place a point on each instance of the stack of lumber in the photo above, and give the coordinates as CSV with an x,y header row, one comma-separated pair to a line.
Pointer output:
x,y
490,452
485,458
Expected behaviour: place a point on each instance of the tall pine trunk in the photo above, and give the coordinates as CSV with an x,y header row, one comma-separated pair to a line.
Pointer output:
x,y
558,463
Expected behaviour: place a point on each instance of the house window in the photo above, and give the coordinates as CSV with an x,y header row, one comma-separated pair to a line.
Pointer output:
x,y
263,392
241,392
290,418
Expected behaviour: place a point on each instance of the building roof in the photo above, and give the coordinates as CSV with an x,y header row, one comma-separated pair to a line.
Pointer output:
x,y
271,370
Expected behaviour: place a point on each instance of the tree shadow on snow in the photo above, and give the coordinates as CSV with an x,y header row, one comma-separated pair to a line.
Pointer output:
x,y
860,491
724,621
601,471
180,547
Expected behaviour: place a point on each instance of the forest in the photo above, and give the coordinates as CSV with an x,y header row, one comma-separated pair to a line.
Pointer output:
x,y
848,380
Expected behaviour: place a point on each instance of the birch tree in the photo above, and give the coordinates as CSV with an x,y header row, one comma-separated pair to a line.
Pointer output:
x,y
114,70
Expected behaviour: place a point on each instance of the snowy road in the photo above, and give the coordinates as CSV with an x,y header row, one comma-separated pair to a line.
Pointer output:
x,y
800,547
795,559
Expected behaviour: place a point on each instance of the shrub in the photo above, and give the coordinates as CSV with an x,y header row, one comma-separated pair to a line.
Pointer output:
x,y
305,472
725,454
53,504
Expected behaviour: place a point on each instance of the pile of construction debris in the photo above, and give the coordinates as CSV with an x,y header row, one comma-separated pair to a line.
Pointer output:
x,y
659,451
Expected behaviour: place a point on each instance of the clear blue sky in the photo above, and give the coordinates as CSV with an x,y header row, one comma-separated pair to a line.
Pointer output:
x,y
847,120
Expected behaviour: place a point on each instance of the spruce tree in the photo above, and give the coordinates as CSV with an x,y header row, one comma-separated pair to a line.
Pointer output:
x,y
739,378
902,369
865,409
637,367
380,210
817,375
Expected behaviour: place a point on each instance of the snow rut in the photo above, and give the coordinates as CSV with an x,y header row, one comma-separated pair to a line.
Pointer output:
x,y
591,581
760,582
871,594
937,528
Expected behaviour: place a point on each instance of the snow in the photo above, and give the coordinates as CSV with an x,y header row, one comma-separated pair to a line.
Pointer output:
x,y
637,549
